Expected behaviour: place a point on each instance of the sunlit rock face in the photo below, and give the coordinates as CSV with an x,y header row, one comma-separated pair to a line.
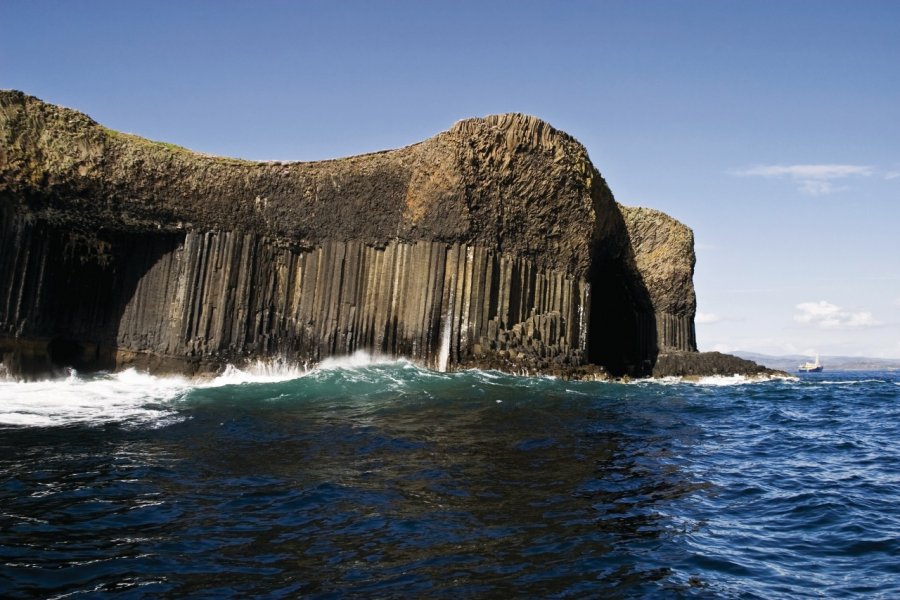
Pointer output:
x,y
493,244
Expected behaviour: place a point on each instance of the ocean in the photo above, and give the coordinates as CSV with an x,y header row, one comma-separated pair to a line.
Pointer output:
x,y
366,478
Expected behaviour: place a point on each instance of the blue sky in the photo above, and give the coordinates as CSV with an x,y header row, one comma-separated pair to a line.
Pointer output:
x,y
769,127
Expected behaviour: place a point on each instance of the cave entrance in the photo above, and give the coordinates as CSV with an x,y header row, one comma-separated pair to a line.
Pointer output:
x,y
65,353
622,336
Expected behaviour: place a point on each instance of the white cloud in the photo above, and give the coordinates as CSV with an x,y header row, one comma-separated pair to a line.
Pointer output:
x,y
704,317
808,171
892,175
814,180
826,315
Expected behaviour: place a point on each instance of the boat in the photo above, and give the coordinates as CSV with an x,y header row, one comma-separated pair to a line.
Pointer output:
x,y
809,367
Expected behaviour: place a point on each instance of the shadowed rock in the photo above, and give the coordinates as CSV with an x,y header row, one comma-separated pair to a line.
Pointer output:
x,y
699,364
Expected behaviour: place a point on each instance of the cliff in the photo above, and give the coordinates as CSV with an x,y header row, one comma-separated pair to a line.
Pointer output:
x,y
495,243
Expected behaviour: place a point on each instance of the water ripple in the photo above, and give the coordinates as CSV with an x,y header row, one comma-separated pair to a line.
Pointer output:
x,y
387,480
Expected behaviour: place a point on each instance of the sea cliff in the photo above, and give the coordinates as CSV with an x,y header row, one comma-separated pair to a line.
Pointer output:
x,y
496,243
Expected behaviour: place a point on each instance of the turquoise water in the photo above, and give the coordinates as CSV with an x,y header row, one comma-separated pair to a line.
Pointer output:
x,y
386,480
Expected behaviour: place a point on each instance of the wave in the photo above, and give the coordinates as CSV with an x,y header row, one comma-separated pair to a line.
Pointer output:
x,y
360,359
270,371
278,369
849,382
133,398
714,380
125,396
141,399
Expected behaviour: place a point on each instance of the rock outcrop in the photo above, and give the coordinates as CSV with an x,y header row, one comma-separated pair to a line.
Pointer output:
x,y
494,243
700,364
663,252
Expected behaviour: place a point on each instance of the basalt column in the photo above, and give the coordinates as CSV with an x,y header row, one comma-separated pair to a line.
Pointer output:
x,y
62,294
231,296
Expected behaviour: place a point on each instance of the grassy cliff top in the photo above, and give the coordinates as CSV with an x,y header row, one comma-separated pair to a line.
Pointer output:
x,y
511,182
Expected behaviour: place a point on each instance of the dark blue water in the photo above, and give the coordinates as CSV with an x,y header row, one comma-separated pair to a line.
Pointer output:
x,y
390,481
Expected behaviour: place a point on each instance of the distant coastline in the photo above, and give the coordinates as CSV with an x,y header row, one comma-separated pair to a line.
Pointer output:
x,y
832,363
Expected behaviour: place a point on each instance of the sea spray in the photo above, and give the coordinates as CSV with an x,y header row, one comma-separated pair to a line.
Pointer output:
x,y
127,396
446,329
138,398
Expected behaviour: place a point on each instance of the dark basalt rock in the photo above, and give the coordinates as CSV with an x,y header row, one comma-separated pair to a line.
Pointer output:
x,y
700,364
496,243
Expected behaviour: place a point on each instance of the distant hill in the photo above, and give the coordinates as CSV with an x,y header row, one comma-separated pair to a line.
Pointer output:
x,y
832,363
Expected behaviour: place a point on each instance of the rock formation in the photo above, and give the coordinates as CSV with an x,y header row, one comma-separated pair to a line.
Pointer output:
x,y
496,243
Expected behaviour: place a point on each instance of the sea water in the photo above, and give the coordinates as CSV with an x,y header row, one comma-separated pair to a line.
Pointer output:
x,y
381,479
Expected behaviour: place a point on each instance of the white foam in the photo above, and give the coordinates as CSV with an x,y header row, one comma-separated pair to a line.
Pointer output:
x,y
261,371
654,381
444,353
850,382
275,370
139,398
488,374
127,396
713,380
727,380
357,360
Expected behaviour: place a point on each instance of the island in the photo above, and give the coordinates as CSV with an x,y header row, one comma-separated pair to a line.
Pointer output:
x,y
494,244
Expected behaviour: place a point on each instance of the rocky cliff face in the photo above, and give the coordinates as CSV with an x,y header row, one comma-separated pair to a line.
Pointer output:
x,y
494,243
663,252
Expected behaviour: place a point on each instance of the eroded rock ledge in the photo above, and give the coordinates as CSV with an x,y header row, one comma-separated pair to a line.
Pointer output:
x,y
496,243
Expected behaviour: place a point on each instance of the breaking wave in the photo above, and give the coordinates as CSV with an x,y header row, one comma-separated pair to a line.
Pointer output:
x,y
139,399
